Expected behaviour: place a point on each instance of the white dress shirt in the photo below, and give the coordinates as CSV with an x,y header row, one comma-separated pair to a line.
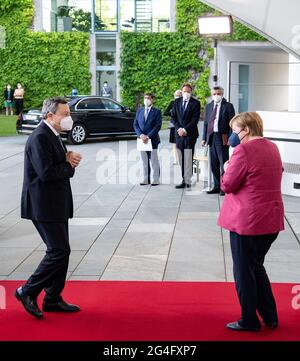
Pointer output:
x,y
50,126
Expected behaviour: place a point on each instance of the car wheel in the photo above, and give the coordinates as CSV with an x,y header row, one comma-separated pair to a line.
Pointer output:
x,y
78,134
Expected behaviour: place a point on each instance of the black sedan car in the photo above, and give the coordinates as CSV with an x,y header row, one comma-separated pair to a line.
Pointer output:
x,y
93,116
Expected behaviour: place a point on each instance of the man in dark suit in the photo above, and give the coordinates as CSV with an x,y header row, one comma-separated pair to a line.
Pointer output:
x,y
185,115
216,132
147,124
47,201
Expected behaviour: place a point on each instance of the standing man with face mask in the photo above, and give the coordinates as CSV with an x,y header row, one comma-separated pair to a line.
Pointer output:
x,y
106,90
185,115
147,124
47,201
216,132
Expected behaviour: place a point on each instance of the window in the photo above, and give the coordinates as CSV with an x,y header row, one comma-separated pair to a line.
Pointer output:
x,y
110,105
90,103
106,15
106,58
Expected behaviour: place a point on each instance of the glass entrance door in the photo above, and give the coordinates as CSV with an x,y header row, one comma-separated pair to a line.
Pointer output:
x,y
108,76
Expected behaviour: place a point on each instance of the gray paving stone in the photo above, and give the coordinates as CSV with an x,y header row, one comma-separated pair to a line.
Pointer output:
x,y
31,263
99,255
151,227
136,244
287,272
291,204
294,221
81,238
197,228
135,268
180,270
10,258
23,234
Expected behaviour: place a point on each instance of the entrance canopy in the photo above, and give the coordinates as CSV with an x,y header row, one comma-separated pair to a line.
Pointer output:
x,y
276,20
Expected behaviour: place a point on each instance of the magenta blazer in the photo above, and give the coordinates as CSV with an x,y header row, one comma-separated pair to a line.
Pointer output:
x,y
252,183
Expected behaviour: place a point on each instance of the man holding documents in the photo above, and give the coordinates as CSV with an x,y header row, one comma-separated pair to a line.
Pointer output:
x,y
147,124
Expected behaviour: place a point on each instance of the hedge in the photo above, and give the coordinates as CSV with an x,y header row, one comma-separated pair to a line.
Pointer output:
x,y
46,64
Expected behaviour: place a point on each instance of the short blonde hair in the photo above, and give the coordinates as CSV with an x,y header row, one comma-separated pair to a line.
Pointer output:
x,y
251,120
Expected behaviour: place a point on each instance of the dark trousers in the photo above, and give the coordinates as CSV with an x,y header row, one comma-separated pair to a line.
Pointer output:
x,y
186,148
19,106
252,282
219,154
52,271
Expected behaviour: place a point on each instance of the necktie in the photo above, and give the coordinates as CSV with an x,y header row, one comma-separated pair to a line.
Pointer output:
x,y
210,128
184,105
61,143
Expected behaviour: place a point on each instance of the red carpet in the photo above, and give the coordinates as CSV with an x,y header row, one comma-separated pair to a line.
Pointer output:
x,y
145,311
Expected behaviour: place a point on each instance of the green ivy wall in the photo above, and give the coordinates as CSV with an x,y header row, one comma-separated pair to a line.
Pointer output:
x,y
46,63
161,62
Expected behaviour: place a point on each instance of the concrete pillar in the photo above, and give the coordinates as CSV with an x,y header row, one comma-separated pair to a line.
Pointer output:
x,y
93,64
38,15
118,67
173,15
294,82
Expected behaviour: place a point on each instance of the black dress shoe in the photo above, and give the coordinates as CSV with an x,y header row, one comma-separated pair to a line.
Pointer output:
x,y
272,325
236,326
188,185
29,303
180,186
222,193
144,184
154,184
59,306
214,191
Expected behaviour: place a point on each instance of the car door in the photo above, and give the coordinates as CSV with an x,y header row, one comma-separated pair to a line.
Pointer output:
x,y
94,115
120,119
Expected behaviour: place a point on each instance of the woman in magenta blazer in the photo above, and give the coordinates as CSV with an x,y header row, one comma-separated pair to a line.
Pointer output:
x,y
253,213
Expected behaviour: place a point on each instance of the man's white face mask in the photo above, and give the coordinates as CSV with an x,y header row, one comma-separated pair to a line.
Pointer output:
x,y
147,103
186,95
66,123
217,98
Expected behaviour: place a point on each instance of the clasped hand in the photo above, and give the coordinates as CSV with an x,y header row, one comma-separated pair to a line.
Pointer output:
x,y
73,158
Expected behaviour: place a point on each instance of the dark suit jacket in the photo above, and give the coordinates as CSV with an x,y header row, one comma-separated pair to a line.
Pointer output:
x,y
227,112
151,127
189,120
168,111
46,194
11,97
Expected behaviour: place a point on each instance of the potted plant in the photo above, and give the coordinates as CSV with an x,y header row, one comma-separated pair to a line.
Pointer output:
x,y
64,13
